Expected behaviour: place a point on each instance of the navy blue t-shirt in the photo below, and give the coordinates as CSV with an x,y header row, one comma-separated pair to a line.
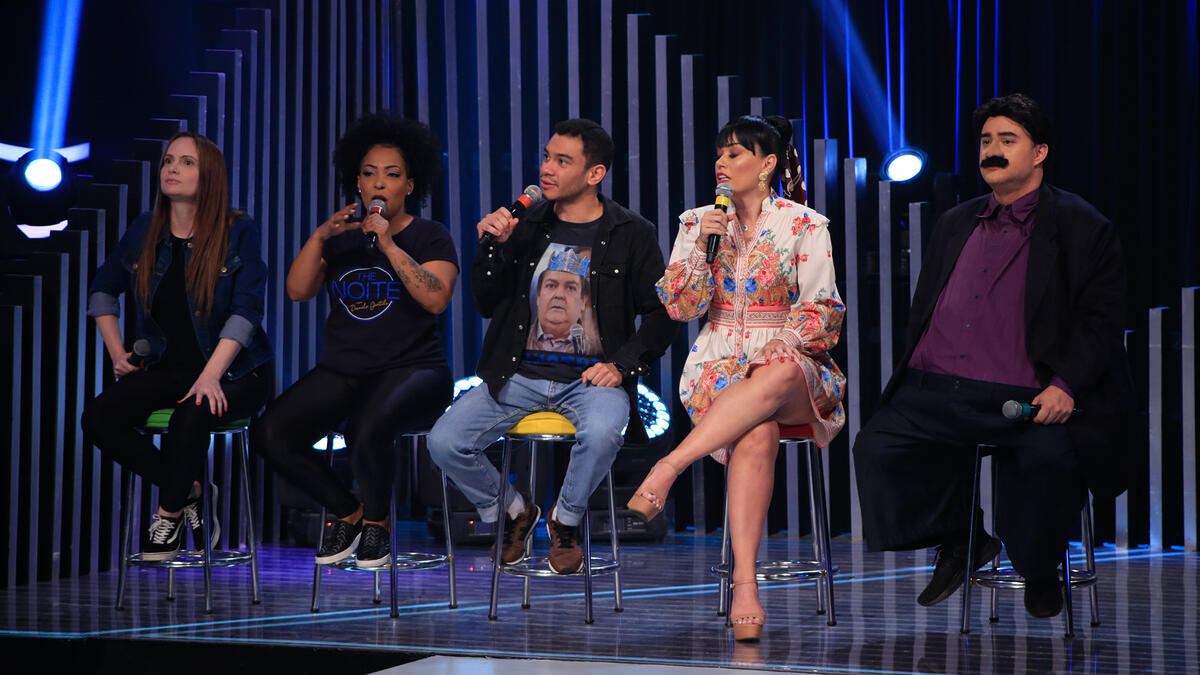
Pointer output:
x,y
374,324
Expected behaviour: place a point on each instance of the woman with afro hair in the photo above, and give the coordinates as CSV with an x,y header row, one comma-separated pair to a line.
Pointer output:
x,y
381,370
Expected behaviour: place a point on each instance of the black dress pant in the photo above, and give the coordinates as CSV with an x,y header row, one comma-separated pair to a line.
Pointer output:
x,y
380,407
111,419
915,457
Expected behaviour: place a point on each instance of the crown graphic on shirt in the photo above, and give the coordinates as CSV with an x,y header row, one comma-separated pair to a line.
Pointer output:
x,y
568,260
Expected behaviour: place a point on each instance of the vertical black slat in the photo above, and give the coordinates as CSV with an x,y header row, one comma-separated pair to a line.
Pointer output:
x,y
515,105
638,111
457,164
854,187
574,75
190,107
12,326
26,290
543,69
210,88
667,146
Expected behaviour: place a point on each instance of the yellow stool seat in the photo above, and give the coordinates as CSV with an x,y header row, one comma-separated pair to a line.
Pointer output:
x,y
544,424
161,419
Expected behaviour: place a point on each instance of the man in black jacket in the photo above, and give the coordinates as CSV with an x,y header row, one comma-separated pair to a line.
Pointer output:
x,y
594,264
1021,297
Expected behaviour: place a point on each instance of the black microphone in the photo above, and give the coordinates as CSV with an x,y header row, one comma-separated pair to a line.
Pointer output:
x,y
531,196
1015,410
577,338
724,192
376,206
141,349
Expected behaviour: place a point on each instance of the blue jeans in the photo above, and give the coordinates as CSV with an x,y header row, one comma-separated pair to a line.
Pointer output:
x,y
476,420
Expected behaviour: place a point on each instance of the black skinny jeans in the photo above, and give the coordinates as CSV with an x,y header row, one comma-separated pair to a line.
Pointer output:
x,y
111,419
380,408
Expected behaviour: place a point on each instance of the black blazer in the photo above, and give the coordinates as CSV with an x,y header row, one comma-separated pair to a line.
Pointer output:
x,y
1075,297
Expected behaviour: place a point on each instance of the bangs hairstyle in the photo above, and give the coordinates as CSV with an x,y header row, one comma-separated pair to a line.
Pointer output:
x,y
762,136
1020,109
597,144
415,141
210,230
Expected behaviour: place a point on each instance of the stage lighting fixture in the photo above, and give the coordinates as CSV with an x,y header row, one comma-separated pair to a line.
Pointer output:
x,y
903,165
41,187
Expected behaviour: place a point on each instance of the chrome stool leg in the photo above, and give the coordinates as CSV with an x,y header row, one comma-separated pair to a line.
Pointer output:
x,y
316,596
587,566
966,602
1090,551
206,522
395,613
724,591
126,537
533,467
616,553
497,557
814,512
817,466
251,533
1066,591
449,541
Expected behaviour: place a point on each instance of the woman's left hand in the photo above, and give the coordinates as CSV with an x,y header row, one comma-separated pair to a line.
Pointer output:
x,y
208,387
777,349
378,225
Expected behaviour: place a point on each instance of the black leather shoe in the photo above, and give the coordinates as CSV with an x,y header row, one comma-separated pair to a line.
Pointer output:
x,y
1043,599
949,570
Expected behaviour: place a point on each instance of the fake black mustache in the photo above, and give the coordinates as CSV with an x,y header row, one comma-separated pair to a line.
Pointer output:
x,y
995,160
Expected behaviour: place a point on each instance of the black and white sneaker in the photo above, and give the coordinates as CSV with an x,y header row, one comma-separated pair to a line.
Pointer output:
x,y
339,541
191,513
166,538
375,549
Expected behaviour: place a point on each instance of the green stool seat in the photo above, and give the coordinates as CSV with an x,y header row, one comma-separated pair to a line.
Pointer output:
x,y
161,419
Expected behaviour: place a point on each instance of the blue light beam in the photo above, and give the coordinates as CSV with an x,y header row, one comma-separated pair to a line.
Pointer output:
x,y
60,29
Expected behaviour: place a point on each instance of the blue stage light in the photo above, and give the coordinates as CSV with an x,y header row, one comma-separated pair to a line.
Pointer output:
x,y
903,165
339,443
43,174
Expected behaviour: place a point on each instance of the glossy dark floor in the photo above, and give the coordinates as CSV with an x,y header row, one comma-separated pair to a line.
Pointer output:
x,y
1148,605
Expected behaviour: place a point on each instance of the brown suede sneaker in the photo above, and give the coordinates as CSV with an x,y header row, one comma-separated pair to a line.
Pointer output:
x,y
566,556
518,532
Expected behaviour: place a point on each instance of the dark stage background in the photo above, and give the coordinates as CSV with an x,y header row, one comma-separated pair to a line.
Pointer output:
x,y
275,83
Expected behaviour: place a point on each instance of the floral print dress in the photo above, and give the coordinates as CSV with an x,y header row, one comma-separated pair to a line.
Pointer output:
x,y
780,286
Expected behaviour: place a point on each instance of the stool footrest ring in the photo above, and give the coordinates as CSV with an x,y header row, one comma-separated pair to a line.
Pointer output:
x,y
194,559
540,567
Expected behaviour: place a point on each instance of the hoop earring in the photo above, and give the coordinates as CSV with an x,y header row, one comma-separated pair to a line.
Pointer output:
x,y
762,181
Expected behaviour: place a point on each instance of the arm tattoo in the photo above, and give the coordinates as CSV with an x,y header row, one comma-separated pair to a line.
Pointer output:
x,y
419,277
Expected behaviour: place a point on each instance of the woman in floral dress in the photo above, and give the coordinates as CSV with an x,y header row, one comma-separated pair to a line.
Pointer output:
x,y
762,358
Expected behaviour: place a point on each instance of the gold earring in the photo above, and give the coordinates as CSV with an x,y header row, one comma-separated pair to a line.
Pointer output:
x,y
762,181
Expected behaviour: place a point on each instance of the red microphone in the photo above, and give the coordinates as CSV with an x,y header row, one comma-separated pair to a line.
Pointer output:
x,y
375,207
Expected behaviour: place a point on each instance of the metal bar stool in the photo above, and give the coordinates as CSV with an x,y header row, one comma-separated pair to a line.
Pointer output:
x,y
1006,577
156,425
550,427
821,568
407,561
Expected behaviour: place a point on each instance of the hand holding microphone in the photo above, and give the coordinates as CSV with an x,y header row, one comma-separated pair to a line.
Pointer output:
x,y
134,361
375,208
720,204
498,225
1030,412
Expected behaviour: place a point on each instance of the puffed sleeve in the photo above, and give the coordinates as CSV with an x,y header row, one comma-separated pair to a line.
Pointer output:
x,y
686,286
815,319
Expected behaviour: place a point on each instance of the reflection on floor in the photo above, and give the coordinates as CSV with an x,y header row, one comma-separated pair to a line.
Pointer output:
x,y
1148,606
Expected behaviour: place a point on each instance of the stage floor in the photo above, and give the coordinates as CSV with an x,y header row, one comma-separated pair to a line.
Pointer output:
x,y
1148,608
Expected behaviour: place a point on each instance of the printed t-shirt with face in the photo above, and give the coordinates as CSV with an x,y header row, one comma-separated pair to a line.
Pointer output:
x,y
374,323
563,339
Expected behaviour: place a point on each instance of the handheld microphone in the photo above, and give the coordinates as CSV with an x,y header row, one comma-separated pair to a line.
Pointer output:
x,y
532,195
141,349
1015,410
722,202
375,207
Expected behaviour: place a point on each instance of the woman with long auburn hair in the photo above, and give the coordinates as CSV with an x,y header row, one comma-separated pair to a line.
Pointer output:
x,y
196,280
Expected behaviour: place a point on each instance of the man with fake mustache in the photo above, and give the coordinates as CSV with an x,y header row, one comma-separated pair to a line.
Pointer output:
x,y
1021,297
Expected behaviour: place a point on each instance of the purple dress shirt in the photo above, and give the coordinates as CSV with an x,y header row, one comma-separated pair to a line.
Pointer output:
x,y
978,326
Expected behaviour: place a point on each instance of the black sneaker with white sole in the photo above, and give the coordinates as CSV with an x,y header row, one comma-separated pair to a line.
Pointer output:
x,y
191,513
375,547
166,538
339,541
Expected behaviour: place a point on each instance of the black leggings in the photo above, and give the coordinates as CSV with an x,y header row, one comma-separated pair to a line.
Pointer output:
x,y
111,419
380,407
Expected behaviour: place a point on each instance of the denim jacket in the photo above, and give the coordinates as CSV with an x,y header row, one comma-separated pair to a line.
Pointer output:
x,y
237,304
